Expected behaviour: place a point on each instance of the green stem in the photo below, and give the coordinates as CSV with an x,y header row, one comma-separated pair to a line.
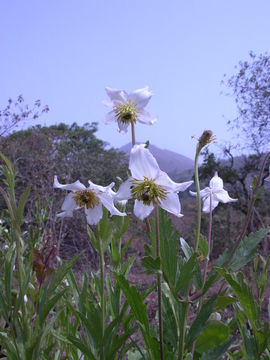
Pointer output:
x,y
102,295
133,139
197,184
185,308
161,342
206,260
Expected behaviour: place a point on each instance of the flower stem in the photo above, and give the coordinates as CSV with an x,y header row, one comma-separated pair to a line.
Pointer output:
x,y
197,183
207,258
133,133
183,324
159,286
102,295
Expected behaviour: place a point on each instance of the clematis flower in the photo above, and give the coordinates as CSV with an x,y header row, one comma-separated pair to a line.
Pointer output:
x,y
128,107
150,186
218,194
91,199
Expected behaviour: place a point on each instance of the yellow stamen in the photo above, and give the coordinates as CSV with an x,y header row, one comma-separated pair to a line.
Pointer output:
x,y
127,112
86,197
148,191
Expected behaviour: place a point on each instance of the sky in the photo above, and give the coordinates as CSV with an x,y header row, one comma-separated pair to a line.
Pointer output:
x,y
66,52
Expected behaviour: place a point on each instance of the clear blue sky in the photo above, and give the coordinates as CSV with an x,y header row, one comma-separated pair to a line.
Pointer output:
x,y
65,52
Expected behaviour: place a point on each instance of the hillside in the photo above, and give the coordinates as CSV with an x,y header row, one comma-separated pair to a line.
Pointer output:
x,y
169,161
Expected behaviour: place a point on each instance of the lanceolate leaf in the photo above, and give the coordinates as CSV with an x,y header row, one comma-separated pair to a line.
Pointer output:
x,y
243,293
247,249
186,274
214,334
216,353
135,302
201,320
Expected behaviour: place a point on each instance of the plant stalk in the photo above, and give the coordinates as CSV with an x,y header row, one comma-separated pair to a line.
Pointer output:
x,y
206,260
183,324
161,341
133,133
102,294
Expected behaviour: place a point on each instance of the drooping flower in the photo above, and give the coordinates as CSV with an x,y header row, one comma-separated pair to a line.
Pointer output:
x,y
150,186
91,199
128,107
218,194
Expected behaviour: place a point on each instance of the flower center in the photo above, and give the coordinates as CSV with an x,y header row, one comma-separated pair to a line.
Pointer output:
x,y
126,113
86,197
147,191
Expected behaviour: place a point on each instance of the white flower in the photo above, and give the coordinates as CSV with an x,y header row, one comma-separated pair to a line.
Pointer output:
x,y
128,108
150,186
91,199
218,194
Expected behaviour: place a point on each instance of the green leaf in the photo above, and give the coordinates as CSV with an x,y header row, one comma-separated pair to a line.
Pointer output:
x,y
86,350
187,250
201,320
216,353
151,265
186,274
249,345
223,302
169,248
214,334
49,304
21,204
170,325
243,293
247,249
135,302
92,238
203,246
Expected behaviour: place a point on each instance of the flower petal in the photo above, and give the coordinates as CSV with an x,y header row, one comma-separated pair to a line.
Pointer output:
x,y
141,210
107,201
110,117
142,163
206,204
116,95
123,192
99,188
223,196
94,215
122,127
69,204
216,183
203,193
141,97
172,204
164,180
145,118
77,185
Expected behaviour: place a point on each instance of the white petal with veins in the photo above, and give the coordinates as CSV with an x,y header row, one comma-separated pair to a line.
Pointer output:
x,y
124,191
94,215
142,163
141,97
107,201
77,185
141,210
171,204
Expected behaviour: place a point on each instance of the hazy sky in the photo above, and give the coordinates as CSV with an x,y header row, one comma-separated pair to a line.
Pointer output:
x,y
65,52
